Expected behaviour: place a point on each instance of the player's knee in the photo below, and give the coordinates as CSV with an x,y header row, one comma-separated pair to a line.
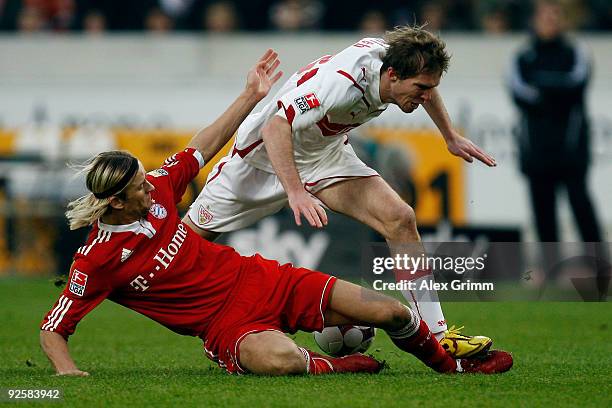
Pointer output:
x,y
285,362
393,316
400,222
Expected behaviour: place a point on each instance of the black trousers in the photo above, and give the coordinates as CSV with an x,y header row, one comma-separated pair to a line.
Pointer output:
x,y
543,189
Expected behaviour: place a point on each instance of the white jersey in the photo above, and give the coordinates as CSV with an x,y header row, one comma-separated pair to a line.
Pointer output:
x,y
322,102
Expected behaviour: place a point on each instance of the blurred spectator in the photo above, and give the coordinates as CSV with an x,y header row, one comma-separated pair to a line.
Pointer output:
x,y
220,17
433,14
62,14
495,16
94,22
548,83
293,15
495,21
373,22
500,16
55,15
157,21
30,20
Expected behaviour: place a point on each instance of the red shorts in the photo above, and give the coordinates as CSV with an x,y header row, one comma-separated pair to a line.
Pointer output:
x,y
267,296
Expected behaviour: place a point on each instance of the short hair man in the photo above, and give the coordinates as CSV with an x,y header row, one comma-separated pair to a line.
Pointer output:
x,y
548,83
296,150
140,255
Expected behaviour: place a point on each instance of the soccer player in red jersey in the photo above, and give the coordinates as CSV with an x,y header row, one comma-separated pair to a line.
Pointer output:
x,y
139,254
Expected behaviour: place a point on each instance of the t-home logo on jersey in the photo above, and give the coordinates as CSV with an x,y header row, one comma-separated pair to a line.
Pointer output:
x,y
78,281
307,102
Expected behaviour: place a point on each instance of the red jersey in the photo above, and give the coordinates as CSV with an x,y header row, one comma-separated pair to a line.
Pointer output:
x,y
156,266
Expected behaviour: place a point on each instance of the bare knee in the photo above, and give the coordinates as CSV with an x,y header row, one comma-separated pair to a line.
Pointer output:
x,y
270,354
399,223
393,316
285,362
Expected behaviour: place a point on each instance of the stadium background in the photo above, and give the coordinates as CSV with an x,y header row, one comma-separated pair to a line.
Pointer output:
x,y
69,89
81,76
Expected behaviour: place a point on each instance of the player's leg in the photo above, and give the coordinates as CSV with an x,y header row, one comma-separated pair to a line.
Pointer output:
x,y
542,189
350,303
273,353
372,201
582,206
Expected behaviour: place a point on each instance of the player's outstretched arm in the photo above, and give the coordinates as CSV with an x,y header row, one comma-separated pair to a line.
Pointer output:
x,y
260,80
456,144
56,349
279,145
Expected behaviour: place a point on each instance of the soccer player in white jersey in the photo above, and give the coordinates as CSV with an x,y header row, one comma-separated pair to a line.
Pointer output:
x,y
296,151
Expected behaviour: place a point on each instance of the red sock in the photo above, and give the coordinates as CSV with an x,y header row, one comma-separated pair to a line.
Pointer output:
x,y
426,348
316,364
355,363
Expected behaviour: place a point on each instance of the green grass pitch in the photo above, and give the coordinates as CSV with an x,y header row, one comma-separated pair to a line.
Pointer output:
x,y
562,352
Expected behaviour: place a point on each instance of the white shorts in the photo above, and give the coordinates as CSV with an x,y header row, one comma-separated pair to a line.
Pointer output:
x,y
238,194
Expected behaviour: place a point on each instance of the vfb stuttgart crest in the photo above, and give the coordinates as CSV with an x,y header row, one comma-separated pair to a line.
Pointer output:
x,y
204,216
78,282
158,211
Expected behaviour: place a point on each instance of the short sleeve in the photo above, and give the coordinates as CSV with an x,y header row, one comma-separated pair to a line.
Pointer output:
x,y
180,169
312,99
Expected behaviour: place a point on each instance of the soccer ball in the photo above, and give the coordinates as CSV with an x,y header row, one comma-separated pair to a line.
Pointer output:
x,y
343,340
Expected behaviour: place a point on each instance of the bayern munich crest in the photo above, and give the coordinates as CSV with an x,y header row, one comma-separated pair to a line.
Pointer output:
x,y
158,211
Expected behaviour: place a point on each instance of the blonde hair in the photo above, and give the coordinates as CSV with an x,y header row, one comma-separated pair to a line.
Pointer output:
x,y
103,173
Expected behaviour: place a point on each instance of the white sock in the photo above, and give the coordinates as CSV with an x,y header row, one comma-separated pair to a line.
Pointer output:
x,y
426,303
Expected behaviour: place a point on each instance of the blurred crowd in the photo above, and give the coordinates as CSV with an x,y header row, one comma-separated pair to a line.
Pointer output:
x,y
99,16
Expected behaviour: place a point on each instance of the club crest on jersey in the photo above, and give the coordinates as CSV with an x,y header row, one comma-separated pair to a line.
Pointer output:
x,y
78,282
158,173
204,216
158,211
307,102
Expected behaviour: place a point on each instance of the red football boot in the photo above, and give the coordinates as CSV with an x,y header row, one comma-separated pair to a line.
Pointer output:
x,y
354,363
493,362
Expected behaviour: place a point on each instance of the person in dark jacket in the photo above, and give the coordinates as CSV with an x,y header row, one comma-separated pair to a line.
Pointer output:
x,y
548,81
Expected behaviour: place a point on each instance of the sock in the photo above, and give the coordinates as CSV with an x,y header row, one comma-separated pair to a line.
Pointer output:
x,y
353,363
416,339
424,300
315,364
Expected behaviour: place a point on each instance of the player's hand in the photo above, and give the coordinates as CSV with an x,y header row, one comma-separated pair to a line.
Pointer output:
x,y
303,204
73,373
468,151
262,76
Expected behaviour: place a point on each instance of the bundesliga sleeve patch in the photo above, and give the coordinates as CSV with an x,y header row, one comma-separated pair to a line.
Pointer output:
x,y
307,102
158,173
78,282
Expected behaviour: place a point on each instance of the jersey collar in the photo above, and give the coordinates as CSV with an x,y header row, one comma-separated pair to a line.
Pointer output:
x,y
137,227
